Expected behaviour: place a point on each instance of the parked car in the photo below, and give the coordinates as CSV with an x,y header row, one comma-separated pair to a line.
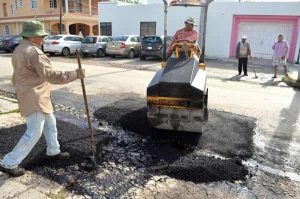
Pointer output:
x,y
94,45
9,43
62,44
124,45
153,46
45,38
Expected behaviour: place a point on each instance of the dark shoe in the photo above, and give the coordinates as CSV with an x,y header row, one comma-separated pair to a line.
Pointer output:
x,y
274,77
246,74
239,73
60,156
13,172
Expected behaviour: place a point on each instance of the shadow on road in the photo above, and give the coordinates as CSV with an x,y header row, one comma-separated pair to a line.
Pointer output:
x,y
283,147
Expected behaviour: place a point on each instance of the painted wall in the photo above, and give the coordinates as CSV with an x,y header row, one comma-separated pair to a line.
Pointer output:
x,y
128,17
220,19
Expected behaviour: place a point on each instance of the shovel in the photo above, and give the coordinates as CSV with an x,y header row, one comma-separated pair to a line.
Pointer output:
x,y
92,158
251,62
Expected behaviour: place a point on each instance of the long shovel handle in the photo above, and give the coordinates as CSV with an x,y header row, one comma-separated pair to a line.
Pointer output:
x,y
91,133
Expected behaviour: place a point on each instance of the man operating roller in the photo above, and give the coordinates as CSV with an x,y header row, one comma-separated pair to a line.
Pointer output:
x,y
186,34
32,78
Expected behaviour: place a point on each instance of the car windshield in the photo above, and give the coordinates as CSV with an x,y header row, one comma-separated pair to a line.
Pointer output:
x,y
89,40
152,39
55,37
120,38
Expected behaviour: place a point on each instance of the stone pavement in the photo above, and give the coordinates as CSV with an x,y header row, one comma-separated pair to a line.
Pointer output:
x,y
8,105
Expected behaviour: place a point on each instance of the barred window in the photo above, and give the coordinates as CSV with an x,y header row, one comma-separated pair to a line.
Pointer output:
x,y
53,4
16,2
21,3
11,9
78,6
33,3
6,30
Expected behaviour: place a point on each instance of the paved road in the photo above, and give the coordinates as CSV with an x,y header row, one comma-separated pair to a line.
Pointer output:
x,y
274,106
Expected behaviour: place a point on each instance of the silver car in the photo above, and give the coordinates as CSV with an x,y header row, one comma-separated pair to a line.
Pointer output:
x,y
62,44
124,45
94,45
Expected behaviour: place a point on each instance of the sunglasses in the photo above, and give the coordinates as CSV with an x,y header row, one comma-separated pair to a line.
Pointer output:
x,y
189,23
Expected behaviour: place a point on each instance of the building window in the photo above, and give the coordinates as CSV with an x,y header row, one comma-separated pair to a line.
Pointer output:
x,y
6,30
53,4
16,2
21,3
106,28
33,3
78,6
147,28
4,9
11,9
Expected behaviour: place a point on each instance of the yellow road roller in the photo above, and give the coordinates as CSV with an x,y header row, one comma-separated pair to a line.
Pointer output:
x,y
177,95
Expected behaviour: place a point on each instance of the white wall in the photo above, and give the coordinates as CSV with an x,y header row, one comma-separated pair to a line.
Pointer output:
x,y
126,19
220,19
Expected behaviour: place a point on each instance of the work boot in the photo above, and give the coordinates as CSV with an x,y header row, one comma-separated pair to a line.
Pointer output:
x,y
60,156
13,172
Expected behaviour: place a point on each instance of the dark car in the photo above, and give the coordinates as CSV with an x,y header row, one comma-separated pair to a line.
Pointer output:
x,y
9,43
152,46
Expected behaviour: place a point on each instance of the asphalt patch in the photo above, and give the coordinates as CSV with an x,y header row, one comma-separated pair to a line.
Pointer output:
x,y
227,134
129,153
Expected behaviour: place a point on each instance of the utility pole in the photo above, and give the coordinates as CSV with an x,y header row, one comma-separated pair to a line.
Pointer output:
x,y
297,62
165,29
202,29
203,22
60,17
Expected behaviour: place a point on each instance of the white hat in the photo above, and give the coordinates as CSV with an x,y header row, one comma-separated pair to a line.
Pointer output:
x,y
244,37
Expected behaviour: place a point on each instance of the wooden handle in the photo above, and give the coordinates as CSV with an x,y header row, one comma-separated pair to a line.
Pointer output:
x,y
84,92
91,132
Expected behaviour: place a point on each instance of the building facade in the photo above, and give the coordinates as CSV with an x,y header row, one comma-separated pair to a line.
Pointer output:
x,y
77,15
262,22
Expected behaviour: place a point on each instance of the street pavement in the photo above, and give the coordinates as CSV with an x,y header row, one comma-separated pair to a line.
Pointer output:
x,y
273,106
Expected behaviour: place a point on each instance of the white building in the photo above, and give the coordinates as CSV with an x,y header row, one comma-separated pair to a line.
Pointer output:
x,y
262,22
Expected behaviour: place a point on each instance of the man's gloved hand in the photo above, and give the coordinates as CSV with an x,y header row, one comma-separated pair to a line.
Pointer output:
x,y
80,73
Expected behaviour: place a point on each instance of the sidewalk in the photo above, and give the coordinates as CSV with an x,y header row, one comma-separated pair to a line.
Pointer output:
x,y
253,61
260,71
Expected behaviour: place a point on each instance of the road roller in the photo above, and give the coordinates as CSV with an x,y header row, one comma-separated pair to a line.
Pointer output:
x,y
177,95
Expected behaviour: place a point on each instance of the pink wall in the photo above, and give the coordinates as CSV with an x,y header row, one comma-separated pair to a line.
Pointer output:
x,y
237,19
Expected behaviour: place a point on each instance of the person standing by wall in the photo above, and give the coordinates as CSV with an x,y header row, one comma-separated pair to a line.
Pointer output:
x,y
280,49
243,52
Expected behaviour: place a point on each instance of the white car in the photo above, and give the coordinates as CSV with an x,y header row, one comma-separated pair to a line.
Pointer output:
x,y
62,44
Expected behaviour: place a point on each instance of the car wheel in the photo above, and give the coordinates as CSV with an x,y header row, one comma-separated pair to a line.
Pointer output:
x,y
100,53
131,54
65,51
83,54
112,56
142,57
52,53
8,51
